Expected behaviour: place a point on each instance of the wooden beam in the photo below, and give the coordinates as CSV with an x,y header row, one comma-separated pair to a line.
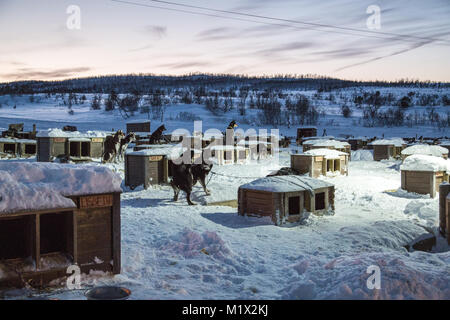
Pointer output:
x,y
116,230
38,241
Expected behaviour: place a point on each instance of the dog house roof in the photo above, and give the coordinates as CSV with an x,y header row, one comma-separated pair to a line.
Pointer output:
x,y
327,143
58,133
43,186
14,140
445,143
420,162
138,121
327,153
426,149
291,183
173,151
397,142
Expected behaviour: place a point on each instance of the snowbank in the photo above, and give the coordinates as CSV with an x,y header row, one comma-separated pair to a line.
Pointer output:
x,y
419,162
425,149
39,186
398,142
171,152
327,153
327,143
362,155
286,184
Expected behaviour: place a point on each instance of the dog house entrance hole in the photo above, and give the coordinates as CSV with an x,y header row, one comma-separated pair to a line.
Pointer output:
x,y
10,148
30,148
294,205
79,149
329,165
320,200
56,231
337,165
228,155
16,233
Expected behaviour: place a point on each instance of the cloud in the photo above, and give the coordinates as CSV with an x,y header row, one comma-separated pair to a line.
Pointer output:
x,y
185,65
219,33
35,74
291,46
157,31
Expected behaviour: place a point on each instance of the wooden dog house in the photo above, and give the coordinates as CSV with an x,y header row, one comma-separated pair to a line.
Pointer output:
x,y
425,149
285,198
149,166
139,126
386,149
444,210
223,154
358,143
305,132
74,146
319,162
37,245
423,174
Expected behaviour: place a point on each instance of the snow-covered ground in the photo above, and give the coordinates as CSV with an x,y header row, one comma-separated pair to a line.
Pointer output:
x,y
175,251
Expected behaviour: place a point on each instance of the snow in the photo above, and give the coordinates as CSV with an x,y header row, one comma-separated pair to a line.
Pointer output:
x,y
286,184
326,143
397,142
425,149
419,162
173,151
58,133
249,257
39,186
14,140
362,155
326,153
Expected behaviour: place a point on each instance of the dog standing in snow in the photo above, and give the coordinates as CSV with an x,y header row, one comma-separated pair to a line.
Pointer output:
x,y
131,137
156,136
185,176
112,146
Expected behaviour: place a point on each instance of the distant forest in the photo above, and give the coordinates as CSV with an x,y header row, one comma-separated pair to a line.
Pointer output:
x,y
144,83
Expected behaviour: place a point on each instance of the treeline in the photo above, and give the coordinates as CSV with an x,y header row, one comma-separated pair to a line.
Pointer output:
x,y
143,83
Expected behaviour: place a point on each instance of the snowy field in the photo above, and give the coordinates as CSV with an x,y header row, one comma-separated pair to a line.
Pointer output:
x,y
175,251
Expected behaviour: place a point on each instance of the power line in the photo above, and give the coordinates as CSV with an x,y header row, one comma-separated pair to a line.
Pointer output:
x,y
301,22
393,37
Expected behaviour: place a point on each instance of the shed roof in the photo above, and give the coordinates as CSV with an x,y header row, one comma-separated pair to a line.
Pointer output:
x,y
426,149
290,183
58,133
327,153
398,142
420,162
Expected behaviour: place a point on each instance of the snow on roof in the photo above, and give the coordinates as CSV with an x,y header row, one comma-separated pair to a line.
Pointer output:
x,y
162,151
223,147
327,153
327,143
426,149
14,140
420,162
445,143
289,183
41,186
138,121
309,139
58,133
398,142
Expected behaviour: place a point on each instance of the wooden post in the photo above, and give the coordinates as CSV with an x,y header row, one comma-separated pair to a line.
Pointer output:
x,y
75,236
116,234
433,184
38,241
444,190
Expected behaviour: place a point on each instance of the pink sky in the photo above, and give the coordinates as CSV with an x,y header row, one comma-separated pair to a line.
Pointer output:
x,y
119,38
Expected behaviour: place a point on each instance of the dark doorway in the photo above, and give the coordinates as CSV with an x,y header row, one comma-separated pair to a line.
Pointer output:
x,y
74,149
55,229
10,148
320,201
30,149
294,205
85,149
16,233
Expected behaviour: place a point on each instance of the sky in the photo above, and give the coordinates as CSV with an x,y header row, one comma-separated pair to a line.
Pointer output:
x,y
40,39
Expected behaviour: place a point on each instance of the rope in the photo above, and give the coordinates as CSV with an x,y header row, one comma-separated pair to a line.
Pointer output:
x,y
237,177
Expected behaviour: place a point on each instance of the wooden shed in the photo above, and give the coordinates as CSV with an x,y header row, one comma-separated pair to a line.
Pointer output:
x,y
385,149
425,149
327,144
74,146
423,174
357,143
305,132
149,166
444,210
319,162
37,245
285,198
139,127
